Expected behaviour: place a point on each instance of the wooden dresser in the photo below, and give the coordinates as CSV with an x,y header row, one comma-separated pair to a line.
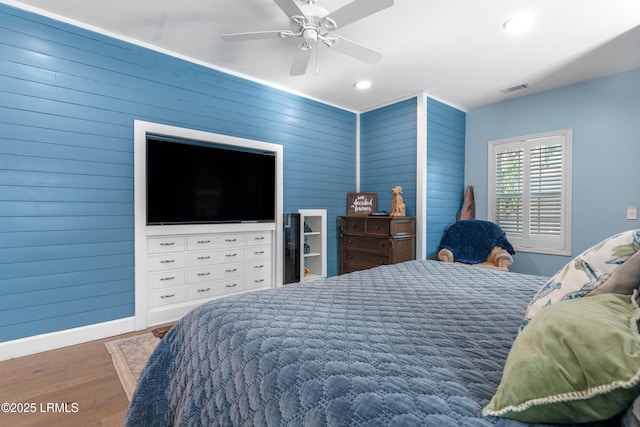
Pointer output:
x,y
370,241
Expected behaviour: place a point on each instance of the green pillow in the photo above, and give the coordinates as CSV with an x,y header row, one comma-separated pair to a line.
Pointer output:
x,y
577,361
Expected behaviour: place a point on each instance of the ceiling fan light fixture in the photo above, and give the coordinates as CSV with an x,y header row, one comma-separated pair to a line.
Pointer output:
x,y
519,23
362,84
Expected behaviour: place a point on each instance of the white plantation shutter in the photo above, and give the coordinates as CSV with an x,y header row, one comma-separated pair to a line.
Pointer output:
x,y
530,191
545,190
509,186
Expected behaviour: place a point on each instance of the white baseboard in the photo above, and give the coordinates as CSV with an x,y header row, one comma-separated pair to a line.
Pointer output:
x,y
53,340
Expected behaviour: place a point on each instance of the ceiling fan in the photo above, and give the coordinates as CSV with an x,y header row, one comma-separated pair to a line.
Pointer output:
x,y
313,23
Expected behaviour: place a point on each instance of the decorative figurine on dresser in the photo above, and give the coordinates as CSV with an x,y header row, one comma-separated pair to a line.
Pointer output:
x,y
373,239
397,202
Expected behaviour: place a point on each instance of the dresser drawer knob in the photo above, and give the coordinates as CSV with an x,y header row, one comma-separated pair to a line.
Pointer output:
x,y
259,238
231,270
230,255
258,252
167,296
259,266
167,261
202,242
204,257
204,290
204,274
258,281
230,240
231,286
165,279
167,243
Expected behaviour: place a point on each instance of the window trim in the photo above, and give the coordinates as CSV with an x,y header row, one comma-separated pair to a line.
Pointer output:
x,y
525,244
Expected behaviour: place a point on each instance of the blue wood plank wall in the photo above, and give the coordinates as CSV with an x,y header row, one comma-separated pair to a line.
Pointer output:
x,y
68,98
388,153
445,168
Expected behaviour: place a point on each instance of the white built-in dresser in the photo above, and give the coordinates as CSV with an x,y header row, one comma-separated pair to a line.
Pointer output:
x,y
185,270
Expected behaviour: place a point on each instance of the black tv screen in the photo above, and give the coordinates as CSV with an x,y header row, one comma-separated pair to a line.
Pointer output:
x,y
191,182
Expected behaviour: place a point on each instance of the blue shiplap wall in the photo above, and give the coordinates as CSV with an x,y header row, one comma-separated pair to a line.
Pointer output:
x,y
68,98
445,168
388,153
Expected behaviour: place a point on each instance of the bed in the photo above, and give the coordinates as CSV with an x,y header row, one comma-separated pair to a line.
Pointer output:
x,y
422,343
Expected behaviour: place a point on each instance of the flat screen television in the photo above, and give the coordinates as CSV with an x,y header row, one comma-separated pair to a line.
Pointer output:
x,y
195,182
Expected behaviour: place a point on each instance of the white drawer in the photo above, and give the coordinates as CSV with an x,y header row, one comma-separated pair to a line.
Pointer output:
x,y
165,261
259,238
258,281
257,267
156,245
165,279
195,259
257,253
211,289
166,296
215,241
215,272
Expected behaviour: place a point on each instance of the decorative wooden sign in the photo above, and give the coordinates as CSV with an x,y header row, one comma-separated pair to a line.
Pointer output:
x,y
361,204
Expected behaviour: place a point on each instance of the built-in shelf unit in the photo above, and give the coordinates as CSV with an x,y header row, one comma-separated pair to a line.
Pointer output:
x,y
180,266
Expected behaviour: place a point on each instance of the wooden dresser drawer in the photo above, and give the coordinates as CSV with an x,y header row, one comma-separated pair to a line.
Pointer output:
x,y
365,258
353,225
377,227
377,244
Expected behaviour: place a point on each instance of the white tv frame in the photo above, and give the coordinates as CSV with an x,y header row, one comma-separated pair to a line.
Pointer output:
x,y
142,231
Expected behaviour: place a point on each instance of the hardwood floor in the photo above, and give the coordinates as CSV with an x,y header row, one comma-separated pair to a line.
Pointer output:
x,y
71,386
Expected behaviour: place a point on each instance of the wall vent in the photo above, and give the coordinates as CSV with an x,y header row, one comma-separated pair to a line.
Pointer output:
x,y
515,88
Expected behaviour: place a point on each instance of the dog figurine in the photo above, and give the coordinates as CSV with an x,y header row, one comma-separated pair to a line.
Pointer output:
x,y
397,203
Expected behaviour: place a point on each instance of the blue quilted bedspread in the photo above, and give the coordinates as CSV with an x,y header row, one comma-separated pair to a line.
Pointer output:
x,y
421,343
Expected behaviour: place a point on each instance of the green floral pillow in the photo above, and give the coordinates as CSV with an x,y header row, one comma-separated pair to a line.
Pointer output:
x,y
577,361
584,273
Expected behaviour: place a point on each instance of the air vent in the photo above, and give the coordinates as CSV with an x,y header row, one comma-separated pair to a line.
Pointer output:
x,y
515,88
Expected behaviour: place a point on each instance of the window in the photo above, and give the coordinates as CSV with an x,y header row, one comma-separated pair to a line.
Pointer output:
x,y
530,191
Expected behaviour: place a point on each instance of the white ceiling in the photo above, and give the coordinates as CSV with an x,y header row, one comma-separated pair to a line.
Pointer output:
x,y
454,50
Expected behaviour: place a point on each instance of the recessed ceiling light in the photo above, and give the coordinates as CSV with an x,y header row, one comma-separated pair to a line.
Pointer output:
x,y
519,22
362,84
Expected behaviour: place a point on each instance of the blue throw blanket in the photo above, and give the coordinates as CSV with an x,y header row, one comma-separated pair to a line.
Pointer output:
x,y
421,343
471,241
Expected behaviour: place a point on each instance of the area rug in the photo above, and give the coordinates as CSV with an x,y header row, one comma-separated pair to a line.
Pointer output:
x,y
129,356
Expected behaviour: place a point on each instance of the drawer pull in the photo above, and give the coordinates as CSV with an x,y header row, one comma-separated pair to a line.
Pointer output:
x,y
164,279
259,266
231,270
258,281
202,242
230,240
167,296
167,243
204,274
204,290
231,286
167,261
258,252
259,238
204,257
230,255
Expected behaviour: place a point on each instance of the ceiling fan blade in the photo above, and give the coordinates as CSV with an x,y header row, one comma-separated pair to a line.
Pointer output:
x,y
258,35
356,10
356,50
289,7
300,61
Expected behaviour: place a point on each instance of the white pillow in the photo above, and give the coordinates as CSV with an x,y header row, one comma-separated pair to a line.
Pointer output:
x,y
585,272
